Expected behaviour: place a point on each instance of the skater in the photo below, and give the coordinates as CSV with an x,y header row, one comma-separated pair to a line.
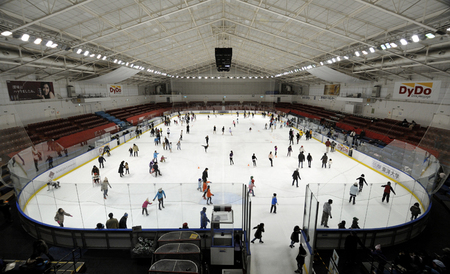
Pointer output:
x,y
231,158
361,182
205,175
121,167
160,195
135,150
207,139
96,178
251,186
187,129
324,160
276,150
209,195
123,221
50,161
37,156
104,187
300,259
127,168
203,219
298,137
168,132
144,206
163,159
51,184
214,130
341,225
155,156
415,211
355,223
231,132
206,148
156,169
181,135
131,151
95,170
301,159
223,130
107,150
289,151
326,213
353,192
295,236
258,234
199,188
295,177
387,192
274,204
271,159
101,160
254,159
59,217
333,146
170,147
179,145
301,149
327,145
112,222
309,159
330,162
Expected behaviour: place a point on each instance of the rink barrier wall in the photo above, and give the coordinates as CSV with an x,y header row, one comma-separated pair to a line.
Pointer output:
x,y
115,239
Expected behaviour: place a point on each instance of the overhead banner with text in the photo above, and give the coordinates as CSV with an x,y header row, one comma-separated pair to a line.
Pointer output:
x,y
115,90
29,90
417,91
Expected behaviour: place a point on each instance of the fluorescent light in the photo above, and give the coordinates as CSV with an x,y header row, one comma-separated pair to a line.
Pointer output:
x,y
104,58
372,50
383,47
333,60
49,44
403,41
126,64
54,45
428,35
415,38
329,62
115,61
92,55
394,45
99,56
345,57
338,58
388,45
25,37
37,41
321,63
357,53
86,53
6,33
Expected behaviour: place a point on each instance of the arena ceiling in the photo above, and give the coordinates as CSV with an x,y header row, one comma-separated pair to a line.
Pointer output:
x,y
280,39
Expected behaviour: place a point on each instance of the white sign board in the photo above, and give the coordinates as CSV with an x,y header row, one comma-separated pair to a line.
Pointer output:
x,y
115,90
417,91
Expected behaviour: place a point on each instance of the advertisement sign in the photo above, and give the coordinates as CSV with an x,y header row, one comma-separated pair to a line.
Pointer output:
x,y
332,90
29,90
114,90
417,91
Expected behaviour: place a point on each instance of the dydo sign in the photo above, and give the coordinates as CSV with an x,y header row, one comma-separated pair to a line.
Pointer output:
x,y
417,91
115,89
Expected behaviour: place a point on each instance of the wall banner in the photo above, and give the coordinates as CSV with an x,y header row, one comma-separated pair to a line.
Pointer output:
x,y
333,90
29,90
115,90
417,91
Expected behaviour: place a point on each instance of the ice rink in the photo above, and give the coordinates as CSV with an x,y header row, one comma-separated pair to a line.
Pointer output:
x,y
180,173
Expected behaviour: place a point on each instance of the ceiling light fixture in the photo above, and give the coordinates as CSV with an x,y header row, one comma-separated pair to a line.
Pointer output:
x,y
37,41
104,58
86,53
372,50
126,64
383,47
92,55
49,44
346,57
6,33
79,51
388,45
54,45
403,41
394,45
25,37
321,63
338,58
99,56
364,52
428,35
357,53
415,38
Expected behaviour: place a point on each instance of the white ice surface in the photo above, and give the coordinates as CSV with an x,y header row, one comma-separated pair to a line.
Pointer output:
x,y
183,168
